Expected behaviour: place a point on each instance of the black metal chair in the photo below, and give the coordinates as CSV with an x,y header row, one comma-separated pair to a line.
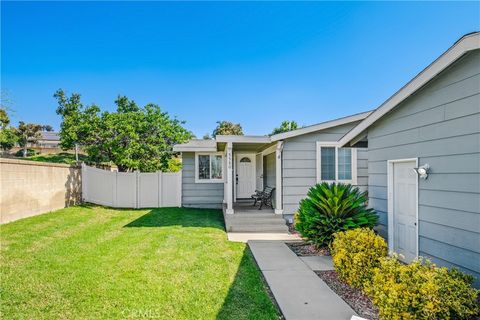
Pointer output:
x,y
264,197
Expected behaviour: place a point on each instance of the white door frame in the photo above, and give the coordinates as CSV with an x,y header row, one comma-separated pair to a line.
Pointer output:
x,y
238,157
391,228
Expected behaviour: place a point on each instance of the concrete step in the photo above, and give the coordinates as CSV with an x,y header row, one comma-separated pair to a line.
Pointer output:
x,y
253,216
259,228
256,221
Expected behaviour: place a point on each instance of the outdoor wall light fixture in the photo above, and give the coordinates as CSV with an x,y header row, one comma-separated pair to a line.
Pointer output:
x,y
422,171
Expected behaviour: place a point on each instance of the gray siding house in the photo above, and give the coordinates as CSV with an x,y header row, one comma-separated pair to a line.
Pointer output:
x,y
226,171
418,155
433,123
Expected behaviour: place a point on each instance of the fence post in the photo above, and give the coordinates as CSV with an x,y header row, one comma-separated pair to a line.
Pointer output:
x,y
84,182
160,189
114,185
137,189
179,192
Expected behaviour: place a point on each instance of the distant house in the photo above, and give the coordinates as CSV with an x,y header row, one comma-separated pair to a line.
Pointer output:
x,y
432,123
48,140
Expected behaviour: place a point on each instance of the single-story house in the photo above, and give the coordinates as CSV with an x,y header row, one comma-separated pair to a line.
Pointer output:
x,y
432,123
228,169
418,155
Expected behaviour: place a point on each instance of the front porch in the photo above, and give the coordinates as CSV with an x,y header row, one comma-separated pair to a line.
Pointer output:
x,y
251,163
245,206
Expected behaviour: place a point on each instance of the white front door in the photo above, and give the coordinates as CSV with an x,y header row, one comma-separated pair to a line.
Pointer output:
x,y
245,175
403,206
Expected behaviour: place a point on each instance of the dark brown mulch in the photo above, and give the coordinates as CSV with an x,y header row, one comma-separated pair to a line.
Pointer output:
x,y
355,298
291,228
303,249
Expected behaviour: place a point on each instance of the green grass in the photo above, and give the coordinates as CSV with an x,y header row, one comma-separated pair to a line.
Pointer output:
x,y
90,262
62,157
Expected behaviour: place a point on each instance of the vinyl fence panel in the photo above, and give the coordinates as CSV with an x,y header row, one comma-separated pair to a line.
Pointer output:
x,y
148,190
131,189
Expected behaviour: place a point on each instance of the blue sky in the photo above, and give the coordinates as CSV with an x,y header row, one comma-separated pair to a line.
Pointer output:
x,y
253,63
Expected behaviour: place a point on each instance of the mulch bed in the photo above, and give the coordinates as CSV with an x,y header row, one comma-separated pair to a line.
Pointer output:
x,y
303,249
355,298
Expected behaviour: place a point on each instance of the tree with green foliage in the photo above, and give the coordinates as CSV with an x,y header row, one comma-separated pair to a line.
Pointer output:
x,y
133,137
285,126
227,128
206,136
28,133
8,135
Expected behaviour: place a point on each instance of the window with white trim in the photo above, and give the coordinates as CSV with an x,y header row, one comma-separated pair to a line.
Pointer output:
x,y
208,167
336,164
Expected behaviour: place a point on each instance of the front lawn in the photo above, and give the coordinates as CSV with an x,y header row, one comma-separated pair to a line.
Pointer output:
x,y
91,262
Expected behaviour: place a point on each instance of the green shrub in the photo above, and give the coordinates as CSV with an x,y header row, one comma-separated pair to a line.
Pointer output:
x,y
356,253
30,152
421,290
330,208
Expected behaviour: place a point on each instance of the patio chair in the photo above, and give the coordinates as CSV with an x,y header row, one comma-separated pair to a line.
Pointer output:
x,y
264,197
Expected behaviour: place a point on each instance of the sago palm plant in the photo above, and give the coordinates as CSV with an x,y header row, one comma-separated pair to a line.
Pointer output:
x,y
329,208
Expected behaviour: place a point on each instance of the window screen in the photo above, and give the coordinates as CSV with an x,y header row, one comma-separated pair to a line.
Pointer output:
x,y
328,163
344,164
216,167
203,167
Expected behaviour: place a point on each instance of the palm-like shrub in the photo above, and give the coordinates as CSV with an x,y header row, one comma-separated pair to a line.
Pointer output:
x,y
330,208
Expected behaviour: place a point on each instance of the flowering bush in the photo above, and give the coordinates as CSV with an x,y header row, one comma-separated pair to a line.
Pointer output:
x,y
356,253
421,290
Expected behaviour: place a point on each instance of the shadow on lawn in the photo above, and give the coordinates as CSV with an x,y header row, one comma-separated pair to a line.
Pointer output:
x,y
248,296
184,217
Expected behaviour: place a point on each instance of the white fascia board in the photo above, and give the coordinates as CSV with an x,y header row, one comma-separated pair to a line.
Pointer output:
x,y
320,126
467,43
243,139
196,145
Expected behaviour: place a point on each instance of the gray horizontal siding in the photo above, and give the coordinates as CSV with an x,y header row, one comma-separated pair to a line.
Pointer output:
x,y
198,195
440,125
299,165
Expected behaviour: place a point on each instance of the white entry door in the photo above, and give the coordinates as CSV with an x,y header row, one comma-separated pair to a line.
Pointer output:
x,y
245,175
403,197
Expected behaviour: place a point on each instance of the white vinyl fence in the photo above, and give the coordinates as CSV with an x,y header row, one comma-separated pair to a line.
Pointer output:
x,y
131,189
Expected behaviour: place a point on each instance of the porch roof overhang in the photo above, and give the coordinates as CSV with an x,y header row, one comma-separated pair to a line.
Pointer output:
x,y
196,145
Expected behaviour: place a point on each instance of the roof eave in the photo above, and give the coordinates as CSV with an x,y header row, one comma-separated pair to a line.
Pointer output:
x,y
320,126
464,45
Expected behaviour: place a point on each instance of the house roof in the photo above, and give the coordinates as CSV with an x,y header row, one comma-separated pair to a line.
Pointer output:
x,y
49,136
465,44
320,126
199,145
196,145
243,139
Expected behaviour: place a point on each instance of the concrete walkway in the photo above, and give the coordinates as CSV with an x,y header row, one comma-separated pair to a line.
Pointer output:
x,y
299,292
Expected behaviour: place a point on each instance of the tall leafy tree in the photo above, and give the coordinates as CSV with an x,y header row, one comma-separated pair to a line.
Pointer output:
x,y
285,126
8,134
227,128
133,137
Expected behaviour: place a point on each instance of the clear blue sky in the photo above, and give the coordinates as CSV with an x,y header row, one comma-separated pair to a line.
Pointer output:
x,y
253,63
